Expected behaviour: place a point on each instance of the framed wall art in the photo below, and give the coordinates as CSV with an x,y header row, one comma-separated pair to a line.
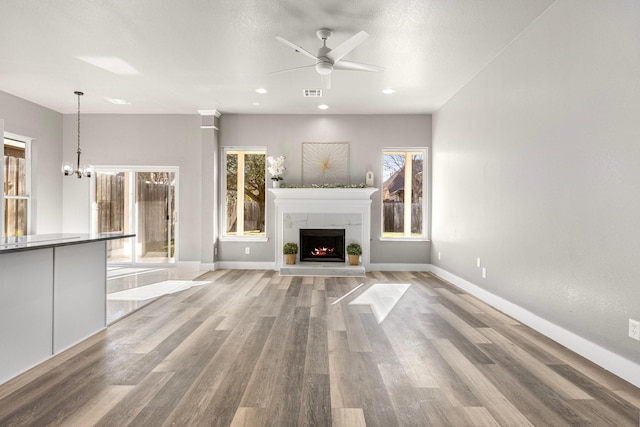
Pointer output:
x,y
325,163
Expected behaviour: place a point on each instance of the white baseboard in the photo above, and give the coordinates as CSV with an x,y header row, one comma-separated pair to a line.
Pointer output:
x,y
207,266
241,265
612,362
192,265
398,267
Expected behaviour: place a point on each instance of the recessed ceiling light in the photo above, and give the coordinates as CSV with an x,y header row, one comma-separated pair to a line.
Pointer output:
x,y
261,90
118,101
323,106
256,103
111,64
389,91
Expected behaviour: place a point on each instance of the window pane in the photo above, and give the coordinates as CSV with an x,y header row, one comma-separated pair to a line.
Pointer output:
x,y
393,195
15,187
110,195
246,192
154,194
417,161
15,172
232,192
15,217
402,189
254,192
110,201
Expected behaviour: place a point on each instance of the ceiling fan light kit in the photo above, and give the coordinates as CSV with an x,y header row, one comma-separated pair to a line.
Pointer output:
x,y
324,68
327,60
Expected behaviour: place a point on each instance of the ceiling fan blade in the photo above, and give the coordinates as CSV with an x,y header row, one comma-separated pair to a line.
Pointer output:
x,y
326,81
297,48
347,46
357,66
292,69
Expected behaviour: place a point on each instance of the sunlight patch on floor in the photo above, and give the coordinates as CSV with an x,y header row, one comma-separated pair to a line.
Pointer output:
x,y
154,290
382,298
118,272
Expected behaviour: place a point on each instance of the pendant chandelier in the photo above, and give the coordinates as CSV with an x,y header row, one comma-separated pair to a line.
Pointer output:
x,y
67,167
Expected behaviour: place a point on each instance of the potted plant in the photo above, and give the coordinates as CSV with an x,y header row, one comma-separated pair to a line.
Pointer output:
x,y
290,250
354,250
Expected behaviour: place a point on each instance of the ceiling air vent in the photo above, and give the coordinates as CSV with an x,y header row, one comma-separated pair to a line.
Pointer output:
x,y
312,93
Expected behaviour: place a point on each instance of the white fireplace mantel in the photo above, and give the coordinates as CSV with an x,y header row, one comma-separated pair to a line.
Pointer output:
x,y
324,193
349,208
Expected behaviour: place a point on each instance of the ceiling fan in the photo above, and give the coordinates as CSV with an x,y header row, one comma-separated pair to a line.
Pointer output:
x,y
328,59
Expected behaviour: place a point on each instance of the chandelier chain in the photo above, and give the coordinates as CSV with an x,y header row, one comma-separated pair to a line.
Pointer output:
x,y
67,167
79,94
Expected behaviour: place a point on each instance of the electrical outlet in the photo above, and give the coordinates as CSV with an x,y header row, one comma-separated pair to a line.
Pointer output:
x,y
484,273
247,251
439,255
634,329
478,262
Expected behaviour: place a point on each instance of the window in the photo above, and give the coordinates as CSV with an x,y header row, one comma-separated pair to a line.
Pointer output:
x,y
245,193
16,186
404,194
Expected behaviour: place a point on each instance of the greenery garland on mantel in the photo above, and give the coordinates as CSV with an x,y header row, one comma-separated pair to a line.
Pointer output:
x,y
326,186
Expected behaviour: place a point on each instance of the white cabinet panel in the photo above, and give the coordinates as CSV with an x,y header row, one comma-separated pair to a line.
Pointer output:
x,y
26,310
79,293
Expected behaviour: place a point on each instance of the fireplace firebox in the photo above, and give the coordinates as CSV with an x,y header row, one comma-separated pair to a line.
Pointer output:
x,y
322,244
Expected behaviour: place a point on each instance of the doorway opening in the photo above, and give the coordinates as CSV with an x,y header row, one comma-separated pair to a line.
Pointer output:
x,y
141,201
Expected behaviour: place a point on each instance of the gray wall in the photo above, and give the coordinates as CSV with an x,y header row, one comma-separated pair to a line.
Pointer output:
x,y
366,134
62,204
535,171
45,126
146,140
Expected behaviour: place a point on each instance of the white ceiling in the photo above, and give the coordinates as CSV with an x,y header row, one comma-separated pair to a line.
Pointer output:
x,y
213,54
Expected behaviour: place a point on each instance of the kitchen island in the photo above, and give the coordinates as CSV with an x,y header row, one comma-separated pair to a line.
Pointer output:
x,y
52,295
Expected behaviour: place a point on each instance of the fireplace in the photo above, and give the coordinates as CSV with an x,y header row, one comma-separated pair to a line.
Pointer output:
x,y
322,244
322,208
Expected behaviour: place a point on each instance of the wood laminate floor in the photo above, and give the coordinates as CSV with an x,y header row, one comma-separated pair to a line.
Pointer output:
x,y
256,349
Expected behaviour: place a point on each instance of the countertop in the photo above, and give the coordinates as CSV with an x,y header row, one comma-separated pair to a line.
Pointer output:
x,y
41,241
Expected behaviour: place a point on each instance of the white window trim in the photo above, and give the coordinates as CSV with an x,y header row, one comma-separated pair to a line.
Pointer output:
x,y
425,196
223,206
243,239
27,142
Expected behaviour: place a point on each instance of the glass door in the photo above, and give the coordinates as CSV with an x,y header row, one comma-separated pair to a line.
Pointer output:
x,y
112,213
137,201
155,205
